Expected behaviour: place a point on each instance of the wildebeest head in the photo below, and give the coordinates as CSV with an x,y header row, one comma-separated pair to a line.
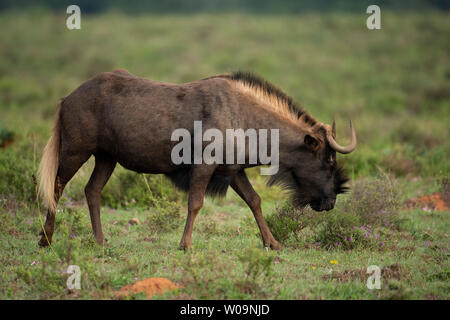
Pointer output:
x,y
314,176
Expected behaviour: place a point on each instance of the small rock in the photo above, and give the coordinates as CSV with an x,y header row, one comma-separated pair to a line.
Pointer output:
x,y
134,221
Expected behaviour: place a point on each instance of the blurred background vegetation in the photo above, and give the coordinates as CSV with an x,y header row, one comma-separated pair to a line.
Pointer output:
x,y
394,82
221,6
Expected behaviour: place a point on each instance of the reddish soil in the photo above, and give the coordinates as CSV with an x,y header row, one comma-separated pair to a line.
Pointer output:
x,y
436,201
150,286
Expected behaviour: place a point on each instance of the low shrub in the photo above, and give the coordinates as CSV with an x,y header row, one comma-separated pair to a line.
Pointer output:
x,y
288,222
165,215
6,136
16,170
127,189
258,272
376,201
367,217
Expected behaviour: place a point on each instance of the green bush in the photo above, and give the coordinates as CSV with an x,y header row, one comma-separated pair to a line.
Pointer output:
x,y
288,222
342,230
127,189
165,215
376,201
6,136
258,271
16,171
365,218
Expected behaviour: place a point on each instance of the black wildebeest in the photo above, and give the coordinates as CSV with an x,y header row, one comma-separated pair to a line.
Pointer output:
x,y
121,118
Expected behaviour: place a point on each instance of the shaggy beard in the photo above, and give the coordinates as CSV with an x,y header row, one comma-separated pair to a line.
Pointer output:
x,y
340,179
287,181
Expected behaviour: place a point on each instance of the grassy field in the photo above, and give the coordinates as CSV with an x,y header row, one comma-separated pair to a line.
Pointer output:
x,y
394,83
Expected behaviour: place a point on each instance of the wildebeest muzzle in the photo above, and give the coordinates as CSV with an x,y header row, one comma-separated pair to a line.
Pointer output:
x,y
323,204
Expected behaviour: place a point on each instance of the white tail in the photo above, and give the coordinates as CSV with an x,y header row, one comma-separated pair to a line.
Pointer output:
x,y
48,168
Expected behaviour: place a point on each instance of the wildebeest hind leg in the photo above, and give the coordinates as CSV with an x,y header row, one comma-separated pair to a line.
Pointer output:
x,y
49,226
68,166
244,189
104,167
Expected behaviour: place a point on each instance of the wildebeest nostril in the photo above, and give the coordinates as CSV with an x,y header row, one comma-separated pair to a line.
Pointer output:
x,y
326,204
330,204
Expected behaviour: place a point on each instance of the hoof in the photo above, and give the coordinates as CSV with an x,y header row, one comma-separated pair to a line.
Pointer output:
x,y
43,242
99,239
273,245
100,242
184,247
105,243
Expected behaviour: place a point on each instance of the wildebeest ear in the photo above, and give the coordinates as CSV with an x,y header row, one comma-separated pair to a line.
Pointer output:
x,y
311,142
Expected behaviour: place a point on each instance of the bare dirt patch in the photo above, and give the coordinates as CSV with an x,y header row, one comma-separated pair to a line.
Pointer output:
x,y
394,271
149,286
14,232
436,201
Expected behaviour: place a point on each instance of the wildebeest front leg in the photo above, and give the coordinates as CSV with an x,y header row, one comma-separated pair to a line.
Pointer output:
x,y
199,179
244,189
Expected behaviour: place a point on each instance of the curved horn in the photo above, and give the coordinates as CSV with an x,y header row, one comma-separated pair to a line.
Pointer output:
x,y
336,147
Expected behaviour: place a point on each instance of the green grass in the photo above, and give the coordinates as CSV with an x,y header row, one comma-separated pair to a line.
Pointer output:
x,y
221,237
393,83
